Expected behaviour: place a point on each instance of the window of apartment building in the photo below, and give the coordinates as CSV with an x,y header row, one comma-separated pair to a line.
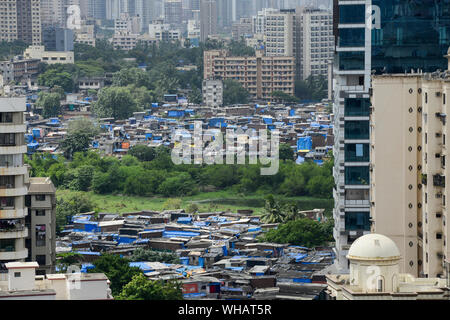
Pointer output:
x,y
10,160
443,98
40,213
40,235
6,202
6,117
40,259
7,182
7,139
7,245
438,235
40,197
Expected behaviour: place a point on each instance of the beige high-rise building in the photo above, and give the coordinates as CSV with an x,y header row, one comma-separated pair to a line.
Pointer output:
x,y
27,205
260,75
20,20
41,221
409,191
13,179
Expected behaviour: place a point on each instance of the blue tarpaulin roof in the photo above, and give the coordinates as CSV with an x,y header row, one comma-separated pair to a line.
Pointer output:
x,y
304,143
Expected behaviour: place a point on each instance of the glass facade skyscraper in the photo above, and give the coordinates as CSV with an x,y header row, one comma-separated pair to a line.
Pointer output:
x,y
374,37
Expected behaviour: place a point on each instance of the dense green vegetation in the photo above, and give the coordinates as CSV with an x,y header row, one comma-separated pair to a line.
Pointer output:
x,y
302,232
10,49
313,88
117,270
160,176
140,288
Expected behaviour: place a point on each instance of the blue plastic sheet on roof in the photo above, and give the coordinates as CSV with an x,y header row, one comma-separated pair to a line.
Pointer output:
x,y
141,265
298,257
191,295
230,288
319,162
125,239
184,220
267,120
302,280
86,266
89,253
292,112
304,143
172,234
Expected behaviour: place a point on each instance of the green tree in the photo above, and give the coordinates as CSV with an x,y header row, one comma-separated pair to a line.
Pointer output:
x,y
273,211
117,270
302,232
131,76
54,77
50,104
83,125
67,259
115,102
68,206
286,152
283,97
234,93
180,184
140,288
143,152
75,142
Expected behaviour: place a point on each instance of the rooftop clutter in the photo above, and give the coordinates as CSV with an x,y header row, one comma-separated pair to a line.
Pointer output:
x,y
219,254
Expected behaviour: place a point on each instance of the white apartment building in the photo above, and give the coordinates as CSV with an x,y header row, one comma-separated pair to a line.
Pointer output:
x,y
21,283
124,41
409,172
278,27
126,23
212,93
85,35
163,32
13,180
317,43
305,33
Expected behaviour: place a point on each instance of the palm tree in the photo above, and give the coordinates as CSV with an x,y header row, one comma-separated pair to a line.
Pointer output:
x,y
273,211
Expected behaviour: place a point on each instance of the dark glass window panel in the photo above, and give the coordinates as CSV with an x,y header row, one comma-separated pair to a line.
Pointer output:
x,y
357,107
357,152
357,221
352,14
351,37
353,60
413,35
357,175
356,130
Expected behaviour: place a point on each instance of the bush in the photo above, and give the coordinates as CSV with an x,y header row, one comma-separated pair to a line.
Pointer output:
x,y
172,204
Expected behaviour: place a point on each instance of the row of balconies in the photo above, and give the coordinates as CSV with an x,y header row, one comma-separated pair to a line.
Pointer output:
x,y
15,233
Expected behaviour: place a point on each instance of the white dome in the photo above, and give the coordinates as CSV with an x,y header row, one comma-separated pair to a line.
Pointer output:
x,y
373,247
